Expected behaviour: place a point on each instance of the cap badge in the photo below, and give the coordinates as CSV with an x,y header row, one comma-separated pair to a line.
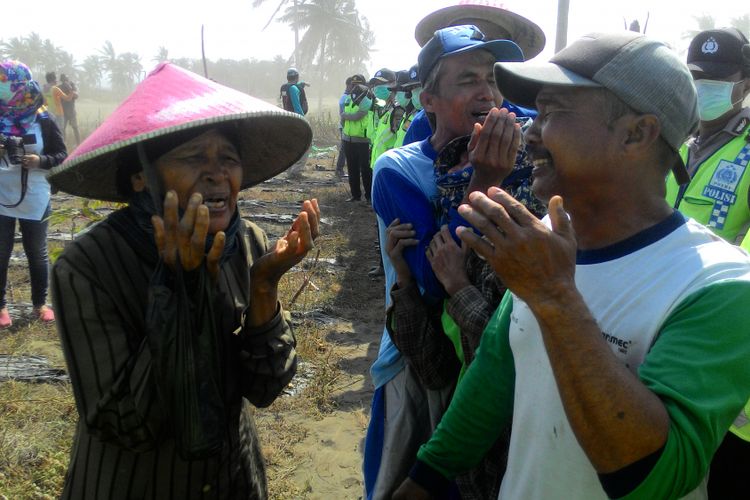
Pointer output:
x,y
413,74
710,46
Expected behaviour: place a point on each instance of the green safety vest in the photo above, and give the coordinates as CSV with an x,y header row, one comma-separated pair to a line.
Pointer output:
x,y
377,111
741,425
453,332
355,128
383,138
717,193
403,128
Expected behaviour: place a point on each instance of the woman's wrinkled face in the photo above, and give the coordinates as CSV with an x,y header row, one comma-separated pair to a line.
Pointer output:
x,y
210,165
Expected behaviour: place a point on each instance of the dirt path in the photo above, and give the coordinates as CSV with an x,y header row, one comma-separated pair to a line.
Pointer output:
x,y
328,456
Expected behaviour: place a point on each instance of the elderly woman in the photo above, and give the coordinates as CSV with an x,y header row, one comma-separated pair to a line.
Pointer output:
x,y
168,309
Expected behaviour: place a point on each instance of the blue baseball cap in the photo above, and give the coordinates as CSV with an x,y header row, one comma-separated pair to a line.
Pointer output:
x,y
458,40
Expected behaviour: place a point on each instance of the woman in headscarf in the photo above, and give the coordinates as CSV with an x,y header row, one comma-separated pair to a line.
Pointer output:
x,y
168,309
30,144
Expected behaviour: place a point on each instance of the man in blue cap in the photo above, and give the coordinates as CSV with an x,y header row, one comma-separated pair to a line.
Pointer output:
x,y
461,98
620,355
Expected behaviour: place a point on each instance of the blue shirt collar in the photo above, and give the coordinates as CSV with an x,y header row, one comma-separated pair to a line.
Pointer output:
x,y
427,149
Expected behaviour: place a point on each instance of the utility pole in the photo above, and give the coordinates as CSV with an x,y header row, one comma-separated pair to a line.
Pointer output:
x,y
561,36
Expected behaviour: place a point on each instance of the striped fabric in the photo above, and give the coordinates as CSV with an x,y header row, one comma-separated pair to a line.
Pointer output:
x,y
124,445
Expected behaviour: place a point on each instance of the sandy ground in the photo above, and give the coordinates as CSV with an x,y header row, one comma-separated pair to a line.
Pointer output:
x,y
330,455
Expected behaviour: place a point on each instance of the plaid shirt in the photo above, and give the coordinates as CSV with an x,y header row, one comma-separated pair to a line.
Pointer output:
x,y
415,329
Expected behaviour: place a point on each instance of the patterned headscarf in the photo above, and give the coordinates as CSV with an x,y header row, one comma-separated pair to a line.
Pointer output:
x,y
451,186
20,98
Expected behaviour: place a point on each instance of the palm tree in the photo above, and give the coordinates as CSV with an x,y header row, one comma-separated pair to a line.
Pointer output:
x,y
108,59
15,48
294,6
91,72
742,23
704,21
335,36
35,46
161,55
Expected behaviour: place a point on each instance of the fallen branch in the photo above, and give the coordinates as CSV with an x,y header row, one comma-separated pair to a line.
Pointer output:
x,y
306,280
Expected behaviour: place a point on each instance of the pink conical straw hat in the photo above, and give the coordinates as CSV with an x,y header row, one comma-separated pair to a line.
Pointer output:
x,y
492,18
172,99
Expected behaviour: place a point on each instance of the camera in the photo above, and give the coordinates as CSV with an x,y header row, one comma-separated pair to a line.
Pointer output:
x,y
359,92
14,148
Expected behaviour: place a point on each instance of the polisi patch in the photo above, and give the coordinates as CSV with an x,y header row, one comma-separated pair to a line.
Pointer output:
x,y
724,182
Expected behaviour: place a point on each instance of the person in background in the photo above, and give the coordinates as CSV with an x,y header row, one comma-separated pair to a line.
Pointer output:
x,y
294,99
457,80
356,119
341,159
410,90
620,353
30,145
717,193
168,309
70,116
496,23
380,134
54,97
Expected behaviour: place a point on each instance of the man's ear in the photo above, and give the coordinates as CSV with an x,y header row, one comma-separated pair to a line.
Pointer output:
x,y
427,99
641,132
138,181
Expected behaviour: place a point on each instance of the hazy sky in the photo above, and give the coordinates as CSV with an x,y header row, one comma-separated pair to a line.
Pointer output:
x,y
233,27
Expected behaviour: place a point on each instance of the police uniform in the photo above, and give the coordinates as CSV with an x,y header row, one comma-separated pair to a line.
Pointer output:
x,y
717,194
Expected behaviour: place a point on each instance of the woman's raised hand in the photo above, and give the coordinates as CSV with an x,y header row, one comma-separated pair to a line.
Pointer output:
x,y
182,242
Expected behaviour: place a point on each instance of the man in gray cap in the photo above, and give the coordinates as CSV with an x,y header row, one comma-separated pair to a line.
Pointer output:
x,y
621,354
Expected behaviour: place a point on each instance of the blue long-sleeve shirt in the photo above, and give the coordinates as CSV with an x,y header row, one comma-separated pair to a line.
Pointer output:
x,y
294,93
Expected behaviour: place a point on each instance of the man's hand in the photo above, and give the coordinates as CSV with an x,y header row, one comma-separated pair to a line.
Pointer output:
x,y
398,237
410,490
493,147
534,262
182,243
448,261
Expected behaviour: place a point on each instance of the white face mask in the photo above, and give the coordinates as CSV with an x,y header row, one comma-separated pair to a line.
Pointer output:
x,y
714,98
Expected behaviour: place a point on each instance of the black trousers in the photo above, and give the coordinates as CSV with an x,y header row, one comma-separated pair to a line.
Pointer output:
x,y
341,160
358,163
726,478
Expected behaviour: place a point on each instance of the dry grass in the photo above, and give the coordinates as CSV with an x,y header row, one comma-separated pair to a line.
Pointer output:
x,y
37,420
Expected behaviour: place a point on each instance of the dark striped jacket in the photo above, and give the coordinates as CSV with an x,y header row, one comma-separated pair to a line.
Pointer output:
x,y
124,444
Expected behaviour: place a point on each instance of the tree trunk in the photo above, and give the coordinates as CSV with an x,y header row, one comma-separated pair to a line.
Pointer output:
x,y
296,34
561,37
321,69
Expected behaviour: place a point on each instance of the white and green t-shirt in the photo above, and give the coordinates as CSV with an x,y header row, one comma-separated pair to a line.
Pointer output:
x,y
672,303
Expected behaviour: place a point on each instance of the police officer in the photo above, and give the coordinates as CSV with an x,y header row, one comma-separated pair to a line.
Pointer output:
x,y
718,191
382,134
410,89
717,156
355,120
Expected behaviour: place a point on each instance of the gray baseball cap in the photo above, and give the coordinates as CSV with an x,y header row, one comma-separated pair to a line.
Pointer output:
x,y
644,73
